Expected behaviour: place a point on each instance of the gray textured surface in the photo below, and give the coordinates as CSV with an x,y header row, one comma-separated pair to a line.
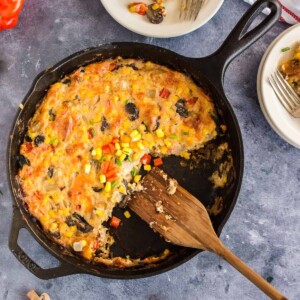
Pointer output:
x,y
264,227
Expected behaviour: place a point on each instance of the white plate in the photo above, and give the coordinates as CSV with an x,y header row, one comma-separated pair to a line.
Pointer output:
x,y
171,26
279,119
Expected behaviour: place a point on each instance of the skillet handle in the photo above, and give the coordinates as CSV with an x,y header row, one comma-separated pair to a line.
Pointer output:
x,y
17,224
239,39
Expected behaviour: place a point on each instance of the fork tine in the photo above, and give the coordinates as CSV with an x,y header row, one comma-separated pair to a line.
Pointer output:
x,y
200,4
288,88
183,9
191,9
283,91
281,98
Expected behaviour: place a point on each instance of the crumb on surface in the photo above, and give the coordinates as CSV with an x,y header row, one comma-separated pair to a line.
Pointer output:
x,y
171,190
159,207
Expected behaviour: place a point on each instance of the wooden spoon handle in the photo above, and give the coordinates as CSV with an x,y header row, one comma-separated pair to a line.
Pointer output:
x,y
256,279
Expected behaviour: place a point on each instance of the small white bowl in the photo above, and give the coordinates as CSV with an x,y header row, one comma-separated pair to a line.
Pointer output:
x,y
279,119
171,26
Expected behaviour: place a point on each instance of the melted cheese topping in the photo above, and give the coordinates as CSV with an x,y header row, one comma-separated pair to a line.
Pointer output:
x,y
85,142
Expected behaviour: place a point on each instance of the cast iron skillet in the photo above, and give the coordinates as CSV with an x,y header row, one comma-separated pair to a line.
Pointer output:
x,y
134,237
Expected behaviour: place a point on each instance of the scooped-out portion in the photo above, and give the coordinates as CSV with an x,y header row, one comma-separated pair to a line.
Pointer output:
x,y
93,133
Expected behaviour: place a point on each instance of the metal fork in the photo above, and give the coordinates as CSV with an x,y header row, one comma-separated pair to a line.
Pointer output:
x,y
190,9
285,93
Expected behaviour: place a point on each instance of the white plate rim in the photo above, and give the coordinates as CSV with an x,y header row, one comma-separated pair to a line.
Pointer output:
x,y
161,33
260,77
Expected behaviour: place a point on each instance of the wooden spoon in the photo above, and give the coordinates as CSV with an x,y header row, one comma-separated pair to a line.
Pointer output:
x,y
183,220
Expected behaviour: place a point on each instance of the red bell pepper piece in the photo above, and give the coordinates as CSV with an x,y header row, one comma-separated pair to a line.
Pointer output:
x,y
115,222
164,93
146,159
104,167
9,12
158,162
106,149
112,147
192,101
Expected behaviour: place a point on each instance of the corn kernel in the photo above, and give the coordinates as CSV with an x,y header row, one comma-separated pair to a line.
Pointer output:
x,y
147,167
125,145
134,133
159,133
69,234
119,152
136,138
107,187
99,213
117,146
98,151
140,146
102,178
126,124
116,98
148,137
71,231
168,143
122,189
63,227
136,156
127,151
155,6
44,219
127,214
186,155
87,168
52,213
164,150
122,157
137,178
53,226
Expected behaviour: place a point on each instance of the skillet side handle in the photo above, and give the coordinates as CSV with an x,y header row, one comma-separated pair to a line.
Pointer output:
x,y
17,224
239,39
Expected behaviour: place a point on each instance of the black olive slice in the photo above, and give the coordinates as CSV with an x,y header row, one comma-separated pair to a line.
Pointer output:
x,y
55,234
104,124
181,108
70,221
52,115
132,111
81,224
50,172
96,189
39,139
22,160
67,81
28,138
133,66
